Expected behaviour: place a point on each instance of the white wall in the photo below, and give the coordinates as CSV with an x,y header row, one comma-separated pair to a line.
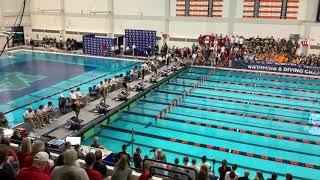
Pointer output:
x,y
267,30
192,29
158,15
139,7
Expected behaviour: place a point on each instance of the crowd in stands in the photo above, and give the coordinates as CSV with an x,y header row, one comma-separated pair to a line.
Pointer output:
x,y
215,49
32,161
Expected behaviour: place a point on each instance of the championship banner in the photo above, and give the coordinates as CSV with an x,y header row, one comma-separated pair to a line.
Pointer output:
x,y
181,8
276,67
199,8
271,9
217,8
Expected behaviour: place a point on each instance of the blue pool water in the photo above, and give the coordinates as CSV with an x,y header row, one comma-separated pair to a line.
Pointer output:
x,y
28,79
234,111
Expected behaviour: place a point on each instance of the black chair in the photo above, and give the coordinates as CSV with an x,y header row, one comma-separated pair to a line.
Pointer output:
x,y
92,93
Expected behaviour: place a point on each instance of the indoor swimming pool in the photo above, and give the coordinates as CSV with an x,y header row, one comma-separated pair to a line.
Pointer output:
x,y
30,79
262,122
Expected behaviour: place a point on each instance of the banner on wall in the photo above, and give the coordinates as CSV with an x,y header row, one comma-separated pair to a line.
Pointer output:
x,y
276,67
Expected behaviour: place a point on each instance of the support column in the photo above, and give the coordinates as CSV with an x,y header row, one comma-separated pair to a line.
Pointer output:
x,y
62,20
1,17
256,8
210,7
231,16
311,15
110,17
187,6
166,20
284,8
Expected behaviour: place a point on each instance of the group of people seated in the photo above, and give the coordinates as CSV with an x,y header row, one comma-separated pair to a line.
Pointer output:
x,y
38,118
215,49
32,160
47,42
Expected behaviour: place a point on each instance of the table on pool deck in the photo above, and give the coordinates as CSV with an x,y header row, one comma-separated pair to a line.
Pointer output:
x,y
57,128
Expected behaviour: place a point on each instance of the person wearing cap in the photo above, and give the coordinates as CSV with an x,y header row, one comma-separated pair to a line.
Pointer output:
x,y
90,160
36,171
37,147
95,143
62,103
69,160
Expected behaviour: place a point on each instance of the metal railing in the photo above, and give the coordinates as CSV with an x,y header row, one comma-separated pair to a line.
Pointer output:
x,y
172,174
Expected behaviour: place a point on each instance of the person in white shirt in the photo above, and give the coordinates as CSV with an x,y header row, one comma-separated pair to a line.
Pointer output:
x,y
223,49
232,175
207,40
236,42
42,115
73,96
27,41
78,93
187,171
204,161
30,116
50,110
232,41
133,49
82,98
194,165
99,88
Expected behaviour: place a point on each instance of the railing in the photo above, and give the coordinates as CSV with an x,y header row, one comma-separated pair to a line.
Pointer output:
x,y
181,175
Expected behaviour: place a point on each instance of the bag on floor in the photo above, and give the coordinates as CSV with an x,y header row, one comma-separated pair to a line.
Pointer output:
x,y
122,96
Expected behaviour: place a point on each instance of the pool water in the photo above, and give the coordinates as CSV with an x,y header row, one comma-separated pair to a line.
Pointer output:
x,y
261,122
29,79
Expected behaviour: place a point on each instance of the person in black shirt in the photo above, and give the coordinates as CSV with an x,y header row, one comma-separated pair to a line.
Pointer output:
x,y
246,176
6,170
224,169
99,166
274,176
137,159
123,153
16,136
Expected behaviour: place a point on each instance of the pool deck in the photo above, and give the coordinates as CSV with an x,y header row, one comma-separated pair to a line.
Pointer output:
x,y
57,128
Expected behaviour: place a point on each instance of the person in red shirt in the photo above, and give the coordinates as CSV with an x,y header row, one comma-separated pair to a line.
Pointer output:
x,y
36,171
211,39
12,156
36,148
146,175
25,150
92,174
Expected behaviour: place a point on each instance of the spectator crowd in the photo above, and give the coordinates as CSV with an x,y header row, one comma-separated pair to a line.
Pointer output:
x,y
215,49
33,161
